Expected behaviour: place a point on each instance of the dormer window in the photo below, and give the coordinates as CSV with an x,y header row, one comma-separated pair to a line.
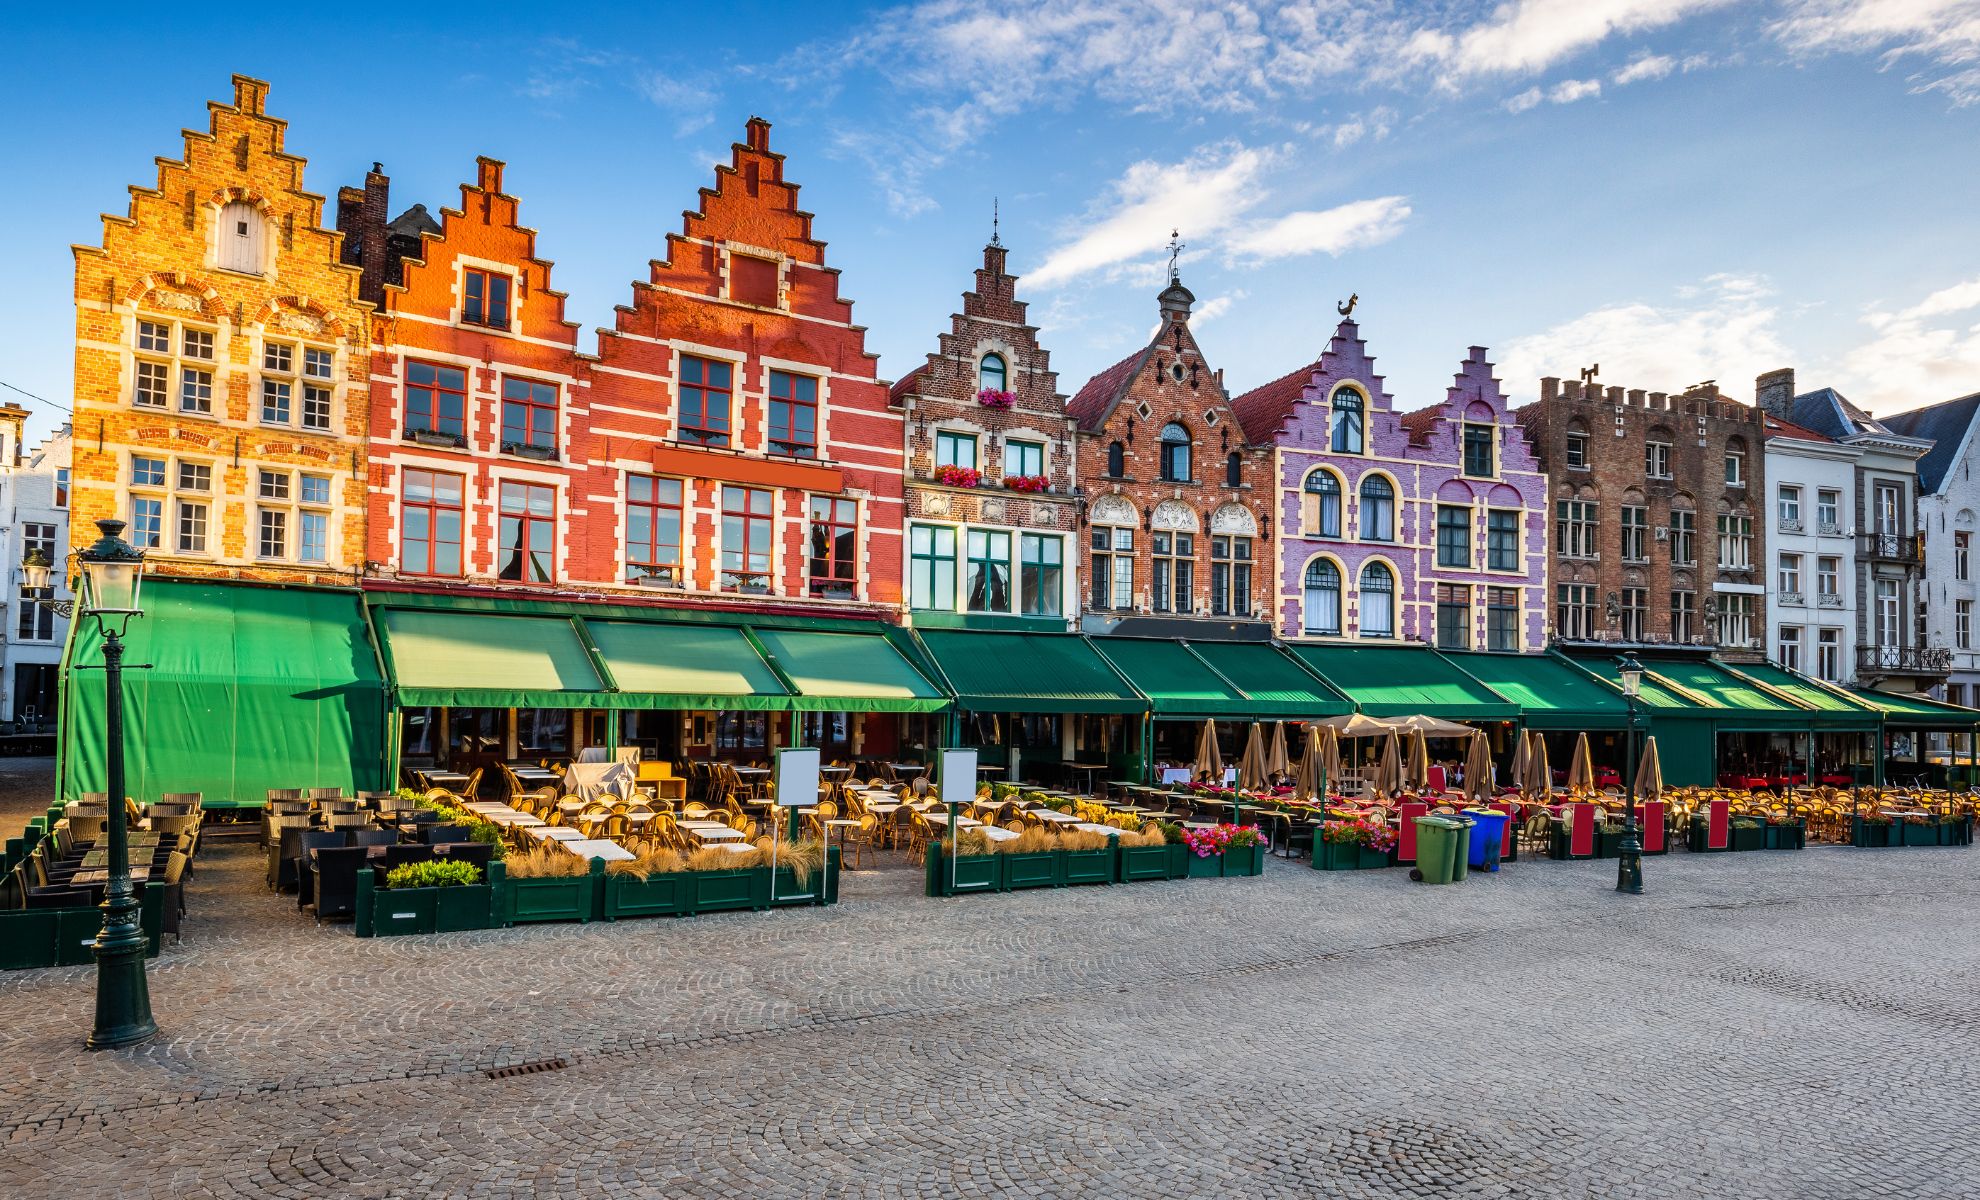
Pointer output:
x,y
991,374
1175,454
485,298
240,242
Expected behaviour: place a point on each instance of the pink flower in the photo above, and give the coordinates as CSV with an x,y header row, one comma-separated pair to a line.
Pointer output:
x,y
992,398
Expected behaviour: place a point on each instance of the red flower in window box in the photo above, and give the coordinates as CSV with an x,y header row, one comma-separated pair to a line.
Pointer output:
x,y
955,476
992,398
1027,483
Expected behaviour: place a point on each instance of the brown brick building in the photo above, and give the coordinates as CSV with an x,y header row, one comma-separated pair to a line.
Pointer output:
x,y
1658,530
1178,503
991,518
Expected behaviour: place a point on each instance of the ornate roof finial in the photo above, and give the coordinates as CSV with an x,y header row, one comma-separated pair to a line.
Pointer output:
x,y
1347,309
1175,251
994,217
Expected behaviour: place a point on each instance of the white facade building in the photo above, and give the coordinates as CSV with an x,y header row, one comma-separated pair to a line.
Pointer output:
x,y
1811,582
34,503
1948,499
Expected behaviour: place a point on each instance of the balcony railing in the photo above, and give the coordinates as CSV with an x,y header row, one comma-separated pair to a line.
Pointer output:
x,y
1829,600
1906,548
1903,660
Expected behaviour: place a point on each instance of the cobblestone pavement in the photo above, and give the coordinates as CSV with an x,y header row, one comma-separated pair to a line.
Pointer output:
x,y
1759,1025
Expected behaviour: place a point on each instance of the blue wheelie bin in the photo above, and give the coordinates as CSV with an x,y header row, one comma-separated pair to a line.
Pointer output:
x,y
1487,838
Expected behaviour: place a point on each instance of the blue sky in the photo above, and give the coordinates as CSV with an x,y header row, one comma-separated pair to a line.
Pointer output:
x,y
1678,189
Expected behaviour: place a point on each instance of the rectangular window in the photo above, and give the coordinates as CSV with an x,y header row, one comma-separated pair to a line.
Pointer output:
x,y
1890,509
273,531
653,528
315,407
192,527
153,383
147,471
1635,613
1502,539
1684,616
932,566
279,357
529,415
316,489
195,477
275,401
431,518
198,343
746,535
1828,653
485,297
1574,611
955,449
195,391
61,487
1502,618
1828,575
1963,624
1790,575
1023,459
1635,533
1577,451
37,623
1113,571
1657,460
37,535
1828,510
436,400
1574,528
834,558
1684,537
1230,576
154,337
147,522
1478,457
317,363
1788,501
987,571
707,392
528,532
793,415
1735,468
1041,574
1453,536
313,536
1736,543
1788,653
1962,555
274,485
1453,616
1736,619
1174,579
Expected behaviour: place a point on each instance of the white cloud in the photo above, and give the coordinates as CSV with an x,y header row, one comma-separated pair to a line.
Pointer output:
x,y
1373,125
1215,307
1569,90
1528,36
1530,98
1334,231
690,102
1726,333
1943,33
1921,354
1644,67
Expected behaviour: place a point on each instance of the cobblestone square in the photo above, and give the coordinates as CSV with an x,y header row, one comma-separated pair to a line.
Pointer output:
x,y
1757,1025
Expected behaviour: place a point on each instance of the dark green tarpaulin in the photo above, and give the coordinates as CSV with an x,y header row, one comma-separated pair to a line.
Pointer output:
x,y
687,666
1400,681
1273,680
1828,708
1551,694
249,688
1665,702
850,672
1919,712
487,660
1178,684
1000,672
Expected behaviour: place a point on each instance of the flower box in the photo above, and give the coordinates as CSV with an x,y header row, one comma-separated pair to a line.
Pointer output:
x,y
1139,863
1250,860
388,912
1916,834
1871,833
1088,866
1608,845
1028,870
1787,837
1346,856
728,891
665,895
1956,833
967,873
555,898
1748,838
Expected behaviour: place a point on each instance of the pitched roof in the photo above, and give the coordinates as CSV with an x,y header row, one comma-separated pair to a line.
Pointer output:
x,y
1945,426
1779,428
413,222
906,384
1094,402
1829,412
1264,408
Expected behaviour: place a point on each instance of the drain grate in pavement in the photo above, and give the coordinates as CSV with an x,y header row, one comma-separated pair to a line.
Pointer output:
x,y
529,1068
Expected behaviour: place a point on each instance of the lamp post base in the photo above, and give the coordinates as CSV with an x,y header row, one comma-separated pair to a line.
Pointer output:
x,y
123,998
1629,862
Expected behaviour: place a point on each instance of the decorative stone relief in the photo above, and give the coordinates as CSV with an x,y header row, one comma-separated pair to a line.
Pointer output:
x,y
1113,510
1174,514
1231,518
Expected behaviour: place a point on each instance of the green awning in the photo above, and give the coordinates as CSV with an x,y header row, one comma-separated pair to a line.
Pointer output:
x,y
1665,702
248,688
1919,712
1177,683
678,666
490,660
855,672
1397,681
1737,703
1000,672
1828,708
1274,681
1551,694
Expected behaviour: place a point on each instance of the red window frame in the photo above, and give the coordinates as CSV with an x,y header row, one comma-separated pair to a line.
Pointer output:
x,y
793,414
485,298
748,520
434,507
431,396
529,413
647,500
534,530
699,386
834,567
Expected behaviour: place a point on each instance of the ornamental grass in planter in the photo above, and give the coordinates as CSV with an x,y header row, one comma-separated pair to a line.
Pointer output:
x,y
1085,857
1749,833
1786,833
549,883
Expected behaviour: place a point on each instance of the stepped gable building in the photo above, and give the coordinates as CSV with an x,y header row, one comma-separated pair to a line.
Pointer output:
x,y
1428,526
480,422
1178,528
737,421
992,526
222,353
1659,534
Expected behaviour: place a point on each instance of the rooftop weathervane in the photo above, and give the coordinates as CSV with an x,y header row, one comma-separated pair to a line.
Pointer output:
x,y
1346,308
1175,250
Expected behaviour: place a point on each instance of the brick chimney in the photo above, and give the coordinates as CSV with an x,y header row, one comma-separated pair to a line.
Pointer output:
x,y
756,134
1774,392
362,214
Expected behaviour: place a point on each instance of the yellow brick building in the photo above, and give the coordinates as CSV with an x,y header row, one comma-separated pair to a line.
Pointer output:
x,y
222,366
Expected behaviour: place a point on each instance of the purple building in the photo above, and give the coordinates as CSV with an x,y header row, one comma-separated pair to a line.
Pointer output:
x,y
1429,526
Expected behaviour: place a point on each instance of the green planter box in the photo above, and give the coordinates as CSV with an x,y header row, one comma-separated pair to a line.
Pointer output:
x,y
820,887
388,912
1956,833
1250,860
1028,870
1204,868
1559,846
1920,835
1608,845
728,891
1091,866
1138,863
1346,856
564,898
1749,839
972,873
1863,833
1787,837
65,937
670,894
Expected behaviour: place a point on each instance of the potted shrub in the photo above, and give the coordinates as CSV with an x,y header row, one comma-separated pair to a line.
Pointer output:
x,y
1871,831
1608,839
427,897
974,868
1029,860
550,883
1749,833
655,884
1354,844
1921,831
1786,833
1956,831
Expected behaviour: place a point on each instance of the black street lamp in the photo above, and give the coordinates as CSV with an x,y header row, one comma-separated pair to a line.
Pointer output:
x,y
1629,856
35,570
112,570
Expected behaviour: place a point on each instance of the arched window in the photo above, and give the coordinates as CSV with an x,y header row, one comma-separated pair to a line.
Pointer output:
x,y
1378,601
1116,460
240,238
1378,510
1233,471
1322,515
1347,421
1175,453
990,373
1323,597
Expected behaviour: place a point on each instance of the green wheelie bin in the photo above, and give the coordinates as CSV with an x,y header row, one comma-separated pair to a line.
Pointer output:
x,y
1438,851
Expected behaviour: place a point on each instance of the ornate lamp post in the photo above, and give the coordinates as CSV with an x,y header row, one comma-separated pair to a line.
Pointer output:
x,y
112,571
1629,856
35,570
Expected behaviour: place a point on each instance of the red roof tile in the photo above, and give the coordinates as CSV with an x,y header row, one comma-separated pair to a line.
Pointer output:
x,y
1091,406
1420,422
1779,428
1264,408
905,384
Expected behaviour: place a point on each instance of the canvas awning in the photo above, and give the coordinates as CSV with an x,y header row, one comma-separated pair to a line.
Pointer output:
x,y
1178,684
1021,672
1919,712
248,688
1273,680
1827,707
448,658
680,666
1550,693
854,672
1395,681
1737,703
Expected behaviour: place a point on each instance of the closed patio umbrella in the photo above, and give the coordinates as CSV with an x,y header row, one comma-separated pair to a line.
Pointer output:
x,y
1307,785
1539,772
1276,762
1522,750
1251,765
1581,770
1416,764
1649,773
1209,762
1330,759
1388,769
1478,769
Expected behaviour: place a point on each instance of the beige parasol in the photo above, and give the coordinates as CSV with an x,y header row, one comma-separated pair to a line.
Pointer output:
x,y
1649,773
1251,765
1539,772
1209,762
1355,725
1307,785
1431,726
1388,769
1478,769
1581,770
1276,762
1522,745
1330,760
1416,764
